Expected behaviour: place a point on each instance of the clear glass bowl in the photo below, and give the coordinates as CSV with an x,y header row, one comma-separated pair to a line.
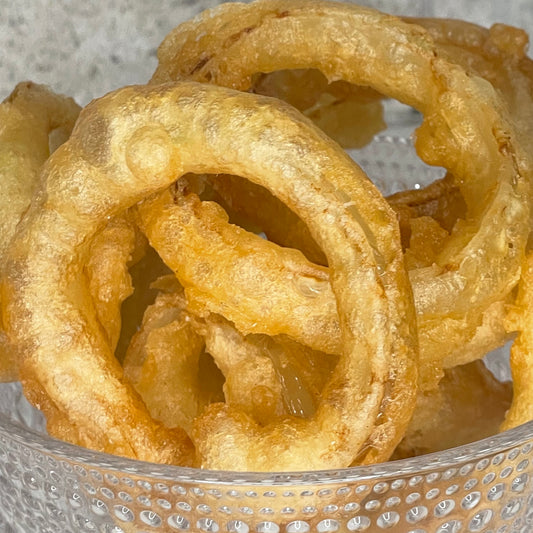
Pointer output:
x,y
48,486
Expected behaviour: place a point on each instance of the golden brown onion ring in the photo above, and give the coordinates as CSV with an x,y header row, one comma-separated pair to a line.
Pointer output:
x,y
138,140
28,117
520,319
469,405
261,279
466,129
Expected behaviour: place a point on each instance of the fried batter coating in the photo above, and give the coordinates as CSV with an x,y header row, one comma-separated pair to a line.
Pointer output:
x,y
260,278
520,319
163,363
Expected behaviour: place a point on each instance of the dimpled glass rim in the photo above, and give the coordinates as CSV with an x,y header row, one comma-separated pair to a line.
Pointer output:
x,y
404,467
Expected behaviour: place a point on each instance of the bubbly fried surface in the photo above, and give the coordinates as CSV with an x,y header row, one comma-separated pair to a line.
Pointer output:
x,y
163,363
261,279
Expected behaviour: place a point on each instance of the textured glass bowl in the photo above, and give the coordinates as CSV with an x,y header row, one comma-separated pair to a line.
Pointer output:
x,y
48,486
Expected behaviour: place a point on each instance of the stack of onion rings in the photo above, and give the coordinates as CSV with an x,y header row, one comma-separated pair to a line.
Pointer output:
x,y
86,182
332,308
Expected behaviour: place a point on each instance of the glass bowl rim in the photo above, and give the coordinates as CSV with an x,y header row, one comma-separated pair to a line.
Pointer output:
x,y
421,465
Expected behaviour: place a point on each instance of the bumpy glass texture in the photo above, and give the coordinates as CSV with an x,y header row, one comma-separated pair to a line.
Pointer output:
x,y
47,486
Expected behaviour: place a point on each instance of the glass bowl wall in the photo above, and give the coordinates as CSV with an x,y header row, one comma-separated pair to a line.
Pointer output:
x,y
47,486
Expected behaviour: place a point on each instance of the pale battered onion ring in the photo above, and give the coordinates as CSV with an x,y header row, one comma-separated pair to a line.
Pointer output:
x,y
162,362
520,319
466,129
138,140
261,279
28,117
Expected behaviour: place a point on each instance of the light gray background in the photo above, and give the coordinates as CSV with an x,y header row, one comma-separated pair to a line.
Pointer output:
x,y
86,48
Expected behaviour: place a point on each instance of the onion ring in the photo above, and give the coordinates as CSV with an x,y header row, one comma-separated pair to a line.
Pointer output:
x,y
520,319
162,362
261,278
28,117
136,141
466,129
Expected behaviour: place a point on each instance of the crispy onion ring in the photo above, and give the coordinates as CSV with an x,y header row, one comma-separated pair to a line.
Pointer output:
x,y
466,129
163,361
28,117
261,279
520,319
138,140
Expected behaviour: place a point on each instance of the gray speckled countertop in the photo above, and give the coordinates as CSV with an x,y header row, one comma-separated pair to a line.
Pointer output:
x,y
82,48
87,48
